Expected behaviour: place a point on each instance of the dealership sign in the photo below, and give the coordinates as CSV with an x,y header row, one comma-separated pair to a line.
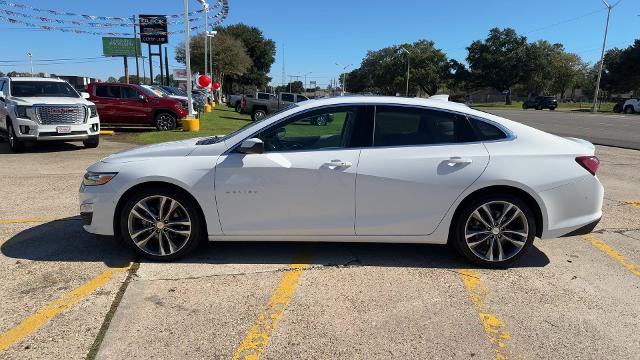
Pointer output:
x,y
180,74
153,29
116,46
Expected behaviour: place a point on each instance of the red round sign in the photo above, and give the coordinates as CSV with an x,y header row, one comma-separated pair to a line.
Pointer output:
x,y
216,85
204,81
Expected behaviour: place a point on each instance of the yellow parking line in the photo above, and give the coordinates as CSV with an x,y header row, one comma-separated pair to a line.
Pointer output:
x,y
494,328
43,315
629,265
633,203
258,336
23,220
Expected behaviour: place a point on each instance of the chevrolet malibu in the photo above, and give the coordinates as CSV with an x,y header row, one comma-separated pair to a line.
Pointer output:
x,y
394,170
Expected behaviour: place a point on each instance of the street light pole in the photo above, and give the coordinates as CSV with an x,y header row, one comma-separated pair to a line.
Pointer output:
x,y
187,49
344,77
30,55
206,37
408,68
604,44
305,81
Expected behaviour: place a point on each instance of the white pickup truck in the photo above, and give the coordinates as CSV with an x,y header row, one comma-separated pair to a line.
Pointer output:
x,y
45,109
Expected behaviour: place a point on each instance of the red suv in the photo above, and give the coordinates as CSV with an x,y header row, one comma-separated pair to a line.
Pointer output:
x,y
133,105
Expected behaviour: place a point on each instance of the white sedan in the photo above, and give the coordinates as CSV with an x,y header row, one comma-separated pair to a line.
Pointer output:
x,y
382,169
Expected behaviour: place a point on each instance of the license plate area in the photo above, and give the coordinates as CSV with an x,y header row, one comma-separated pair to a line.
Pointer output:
x,y
63,129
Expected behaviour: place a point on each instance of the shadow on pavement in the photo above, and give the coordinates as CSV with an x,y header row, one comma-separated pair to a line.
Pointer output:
x,y
45,147
65,240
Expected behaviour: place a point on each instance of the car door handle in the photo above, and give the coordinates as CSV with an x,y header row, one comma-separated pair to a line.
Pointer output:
x,y
456,160
338,164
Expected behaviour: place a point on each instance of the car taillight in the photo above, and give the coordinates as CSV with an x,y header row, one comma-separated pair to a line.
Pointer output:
x,y
590,163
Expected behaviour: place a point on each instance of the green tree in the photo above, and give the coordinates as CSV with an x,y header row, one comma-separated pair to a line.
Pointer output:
x,y
567,68
499,61
112,79
262,52
622,69
385,71
230,56
539,70
1,73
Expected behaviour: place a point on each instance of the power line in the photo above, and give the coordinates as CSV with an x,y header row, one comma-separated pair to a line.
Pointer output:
x,y
562,22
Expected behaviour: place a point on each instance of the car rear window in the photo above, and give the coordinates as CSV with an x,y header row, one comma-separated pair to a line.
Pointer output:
x,y
108,91
399,126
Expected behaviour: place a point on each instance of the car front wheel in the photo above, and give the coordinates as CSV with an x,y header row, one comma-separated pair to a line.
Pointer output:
x,y
629,110
494,231
165,122
258,115
15,145
92,142
161,224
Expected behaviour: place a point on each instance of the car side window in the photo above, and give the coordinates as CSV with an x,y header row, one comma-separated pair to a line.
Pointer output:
x,y
107,91
5,88
287,97
301,98
401,126
329,128
486,131
2,82
129,93
263,96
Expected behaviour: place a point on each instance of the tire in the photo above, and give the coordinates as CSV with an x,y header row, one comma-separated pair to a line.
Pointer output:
x,y
175,243
629,109
320,120
92,142
552,108
165,121
538,107
15,145
238,107
477,248
524,107
258,115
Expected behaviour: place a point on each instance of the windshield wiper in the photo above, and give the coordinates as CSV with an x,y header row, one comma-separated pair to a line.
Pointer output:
x,y
209,140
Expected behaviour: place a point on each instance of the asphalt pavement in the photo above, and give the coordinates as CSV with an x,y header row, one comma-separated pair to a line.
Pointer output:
x,y
602,129
66,294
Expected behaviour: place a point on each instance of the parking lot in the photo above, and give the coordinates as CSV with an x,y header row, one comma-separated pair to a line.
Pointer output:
x,y
67,294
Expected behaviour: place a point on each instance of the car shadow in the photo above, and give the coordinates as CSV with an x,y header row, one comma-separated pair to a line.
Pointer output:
x,y
45,147
65,241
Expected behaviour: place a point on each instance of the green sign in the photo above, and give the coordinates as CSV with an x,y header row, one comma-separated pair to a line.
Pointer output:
x,y
114,46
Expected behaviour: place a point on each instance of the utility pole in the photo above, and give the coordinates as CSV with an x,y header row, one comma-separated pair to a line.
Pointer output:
x,y
305,81
408,67
604,44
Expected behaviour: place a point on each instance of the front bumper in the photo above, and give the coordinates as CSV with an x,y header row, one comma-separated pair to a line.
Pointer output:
x,y
27,129
97,208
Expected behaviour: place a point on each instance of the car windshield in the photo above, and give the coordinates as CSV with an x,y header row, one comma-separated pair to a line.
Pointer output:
x,y
217,139
175,91
161,90
43,89
149,92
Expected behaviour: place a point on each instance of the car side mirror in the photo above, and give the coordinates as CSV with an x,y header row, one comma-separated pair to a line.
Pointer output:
x,y
142,98
252,146
85,95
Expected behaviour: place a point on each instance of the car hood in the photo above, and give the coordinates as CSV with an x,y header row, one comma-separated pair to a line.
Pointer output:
x,y
50,100
168,149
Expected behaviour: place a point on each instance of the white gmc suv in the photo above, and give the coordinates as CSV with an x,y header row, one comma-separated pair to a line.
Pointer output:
x,y
45,109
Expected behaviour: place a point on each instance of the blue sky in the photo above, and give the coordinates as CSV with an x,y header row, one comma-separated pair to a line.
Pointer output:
x,y
317,34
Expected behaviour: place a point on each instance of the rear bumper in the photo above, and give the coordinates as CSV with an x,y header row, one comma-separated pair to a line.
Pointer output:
x,y
584,230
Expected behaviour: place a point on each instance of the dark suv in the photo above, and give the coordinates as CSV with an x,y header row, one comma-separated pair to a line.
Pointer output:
x,y
540,102
133,105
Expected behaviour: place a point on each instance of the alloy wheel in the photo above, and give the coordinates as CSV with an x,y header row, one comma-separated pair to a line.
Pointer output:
x,y
159,225
165,122
496,231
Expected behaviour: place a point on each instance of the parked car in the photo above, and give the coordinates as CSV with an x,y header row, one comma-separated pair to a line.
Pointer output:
x,y
540,102
45,109
173,90
631,106
618,107
133,105
259,108
235,101
160,90
399,170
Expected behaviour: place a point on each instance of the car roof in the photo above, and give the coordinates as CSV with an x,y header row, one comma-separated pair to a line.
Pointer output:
x,y
34,79
386,100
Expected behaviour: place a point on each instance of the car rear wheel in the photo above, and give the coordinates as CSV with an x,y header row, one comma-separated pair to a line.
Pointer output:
x,y
92,142
15,145
238,107
629,110
494,231
165,121
161,224
321,120
258,115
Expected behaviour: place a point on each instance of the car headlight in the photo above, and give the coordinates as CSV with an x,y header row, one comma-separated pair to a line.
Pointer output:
x,y
95,178
21,111
93,110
